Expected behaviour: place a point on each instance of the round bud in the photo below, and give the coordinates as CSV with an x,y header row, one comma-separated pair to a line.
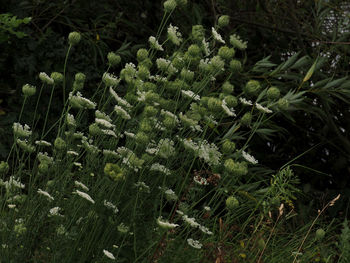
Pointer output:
x,y
94,130
80,77
142,54
223,21
320,233
236,168
143,72
169,122
226,53
113,59
187,75
231,101
150,111
214,104
228,147
283,104
28,90
198,33
114,171
43,168
60,144
246,119
232,203
4,168
169,5
146,126
57,77
194,50
216,64
273,93
147,63
74,38
252,88
235,65
227,87
142,138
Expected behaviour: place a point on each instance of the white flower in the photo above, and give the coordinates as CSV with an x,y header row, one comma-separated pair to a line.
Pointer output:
x,y
154,43
55,211
11,206
43,143
194,243
170,114
207,208
191,221
228,111
77,164
119,99
108,254
81,185
205,45
249,158
129,134
44,157
165,224
110,153
80,102
102,115
45,78
110,80
262,108
245,101
170,194
190,94
104,123
141,186
20,131
160,168
209,152
109,132
217,36
84,195
44,193
200,180
166,66
205,230
72,153
111,206
120,111
70,120
174,35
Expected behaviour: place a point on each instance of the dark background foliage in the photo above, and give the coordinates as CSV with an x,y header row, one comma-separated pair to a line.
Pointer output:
x,y
317,133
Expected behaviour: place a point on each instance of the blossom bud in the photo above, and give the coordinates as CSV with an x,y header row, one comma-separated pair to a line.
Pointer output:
x,y
114,171
231,101
28,90
252,88
216,64
45,78
169,5
4,168
235,65
227,87
143,72
141,138
223,20
147,63
150,111
169,122
246,119
236,42
146,126
320,233
283,104
187,75
80,77
113,59
198,33
214,104
236,168
60,144
273,93
228,147
43,168
74,38
57,77
194,50
94,130
232,203
142,54
226,53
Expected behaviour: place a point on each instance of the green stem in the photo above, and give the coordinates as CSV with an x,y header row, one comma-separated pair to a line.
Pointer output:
x,y
64,74
47,112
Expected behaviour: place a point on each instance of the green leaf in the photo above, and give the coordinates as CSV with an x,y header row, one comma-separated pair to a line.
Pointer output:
x,y
310,71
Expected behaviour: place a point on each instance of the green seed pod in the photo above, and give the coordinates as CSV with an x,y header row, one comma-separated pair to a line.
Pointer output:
x,y
273,93
142,54
223,21
194,50
113,59
60,144
214,104
146,126
28,90
320,233
231,101
78,86
57,77
226,53
235,65
216,64
228,147
232,203
198,33
246,119
227,88
4,168
236,168
150,111
252,88
169,5
283,104
74,38
142,138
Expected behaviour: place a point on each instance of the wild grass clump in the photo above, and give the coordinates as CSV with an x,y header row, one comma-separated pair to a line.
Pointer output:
x,y
156,166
